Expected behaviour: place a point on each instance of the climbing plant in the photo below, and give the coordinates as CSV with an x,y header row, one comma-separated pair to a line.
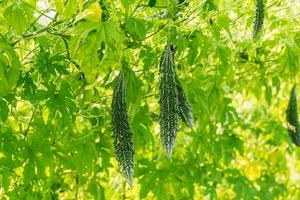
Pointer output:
x,y
94,94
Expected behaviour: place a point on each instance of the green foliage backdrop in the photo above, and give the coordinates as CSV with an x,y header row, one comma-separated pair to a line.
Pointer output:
x,y
58,66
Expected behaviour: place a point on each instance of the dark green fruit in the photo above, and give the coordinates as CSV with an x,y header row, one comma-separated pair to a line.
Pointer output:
x,y
152,3
168,101
292,118
184,106
259,17
122,134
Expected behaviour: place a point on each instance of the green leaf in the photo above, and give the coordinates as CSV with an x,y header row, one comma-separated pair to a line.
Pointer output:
x,y
81,32
9,69
141,124
90,39
181,44
136,27
59,6
29,173
70,9
148,183
126,4
291,58
19,16
209,5
133,87
96,190
3,110
268,94
223,53
224,22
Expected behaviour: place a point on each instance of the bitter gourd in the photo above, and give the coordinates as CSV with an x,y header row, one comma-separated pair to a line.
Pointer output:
x,y
123,143
184,106
259,17
168,101
292,118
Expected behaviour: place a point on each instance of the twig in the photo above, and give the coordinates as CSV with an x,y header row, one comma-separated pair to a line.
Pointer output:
x,y
124,190
42,13
149,95
183,20
6,33
157,31
54,135
31,119
37,32
135,9
62,36
77,187
160,7
31,25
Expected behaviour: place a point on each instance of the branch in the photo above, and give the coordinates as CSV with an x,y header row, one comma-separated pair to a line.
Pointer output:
x,y
177,23
149,95
31,25
63,37
54,135
37,32
31,119
124,190
160,7
38,11
135,9
157,31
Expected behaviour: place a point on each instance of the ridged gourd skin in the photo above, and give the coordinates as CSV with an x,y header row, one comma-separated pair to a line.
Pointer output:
x,y
259,17
168,101
292,118
184,106
122,134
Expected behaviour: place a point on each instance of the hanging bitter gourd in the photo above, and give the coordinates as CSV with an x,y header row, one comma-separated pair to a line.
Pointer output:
x,y
259,17
123,143
292,118
184,106
168,101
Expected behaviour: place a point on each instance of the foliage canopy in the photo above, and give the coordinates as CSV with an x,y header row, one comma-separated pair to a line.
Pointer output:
x,y
60,61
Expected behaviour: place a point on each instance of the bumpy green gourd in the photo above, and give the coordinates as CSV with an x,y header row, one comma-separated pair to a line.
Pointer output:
x,y
168,101
292,118
122,134
184,106
259,17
